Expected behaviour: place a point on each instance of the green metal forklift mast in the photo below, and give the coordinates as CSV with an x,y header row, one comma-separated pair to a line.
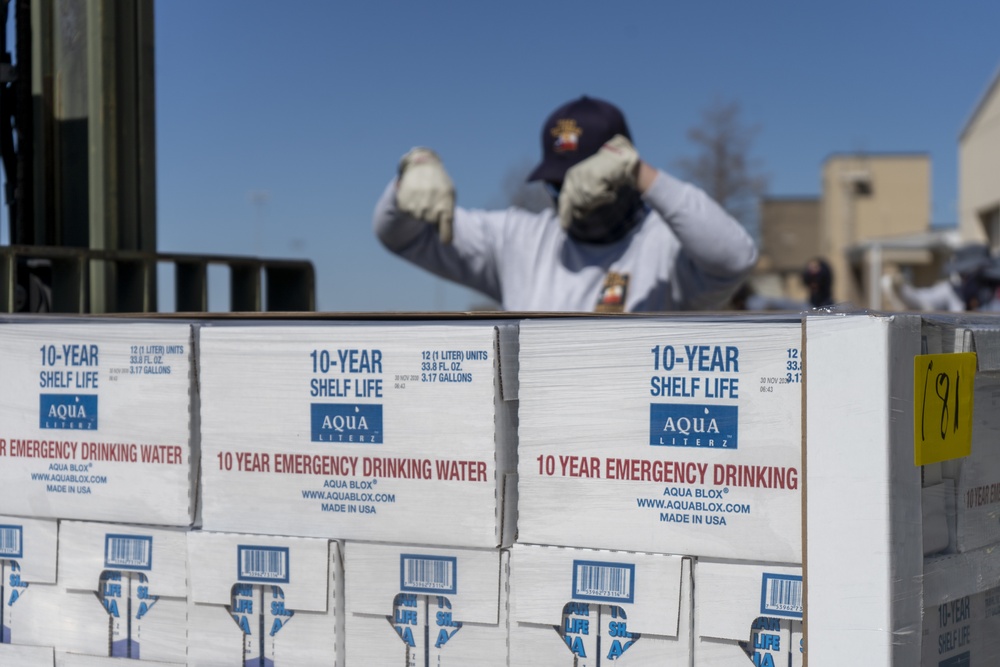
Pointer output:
x,y
255,284
84,173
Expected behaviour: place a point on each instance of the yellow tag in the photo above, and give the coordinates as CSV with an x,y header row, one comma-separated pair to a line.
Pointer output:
x,y
942,406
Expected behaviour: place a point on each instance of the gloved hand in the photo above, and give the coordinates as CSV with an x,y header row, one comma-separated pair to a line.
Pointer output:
x,y
595,181
425,191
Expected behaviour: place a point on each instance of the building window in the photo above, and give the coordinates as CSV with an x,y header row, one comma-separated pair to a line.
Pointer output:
x,y
858,182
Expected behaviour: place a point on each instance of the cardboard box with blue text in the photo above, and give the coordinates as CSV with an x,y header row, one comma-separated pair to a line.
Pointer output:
x,y
123,593
388,432
666,436
94,413
584,608
748,614
258,599
421,606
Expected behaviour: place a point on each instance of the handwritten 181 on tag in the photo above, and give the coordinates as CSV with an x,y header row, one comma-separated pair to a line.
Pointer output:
x,y
942,406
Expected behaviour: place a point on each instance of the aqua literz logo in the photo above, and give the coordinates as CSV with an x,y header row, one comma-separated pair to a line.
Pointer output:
x,y
687,425
76,412
347,422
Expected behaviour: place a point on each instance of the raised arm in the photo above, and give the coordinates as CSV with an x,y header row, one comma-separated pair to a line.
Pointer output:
x,y
714,242
466,252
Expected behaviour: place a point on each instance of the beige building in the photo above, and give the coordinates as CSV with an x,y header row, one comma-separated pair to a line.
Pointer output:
x,y
979,171
872,218
868,198
789,238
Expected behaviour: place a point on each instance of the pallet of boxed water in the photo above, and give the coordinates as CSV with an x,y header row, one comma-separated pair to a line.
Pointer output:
x,y
901,515
400,432
662,435
95,421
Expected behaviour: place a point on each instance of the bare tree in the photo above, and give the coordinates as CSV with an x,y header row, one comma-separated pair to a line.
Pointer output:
x,y
723,166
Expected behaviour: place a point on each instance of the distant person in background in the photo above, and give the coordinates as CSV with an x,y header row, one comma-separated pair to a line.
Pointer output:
x,y
817,276
971,282
621,236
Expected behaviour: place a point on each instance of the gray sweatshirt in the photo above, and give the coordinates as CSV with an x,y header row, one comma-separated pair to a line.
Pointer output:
x,y
686,254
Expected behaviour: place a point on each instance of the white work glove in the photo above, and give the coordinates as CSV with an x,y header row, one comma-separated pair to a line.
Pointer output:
x,y
595,181
425,191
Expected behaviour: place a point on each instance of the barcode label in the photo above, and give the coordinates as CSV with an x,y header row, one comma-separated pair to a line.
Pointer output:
x,y
781,595
264,564
10,542
134,552
613,582
428,574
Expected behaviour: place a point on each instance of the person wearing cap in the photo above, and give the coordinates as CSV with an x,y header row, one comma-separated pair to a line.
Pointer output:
x,y
621,237
817,276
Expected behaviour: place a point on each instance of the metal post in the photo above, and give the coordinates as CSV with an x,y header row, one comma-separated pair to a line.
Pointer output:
x,y
875,277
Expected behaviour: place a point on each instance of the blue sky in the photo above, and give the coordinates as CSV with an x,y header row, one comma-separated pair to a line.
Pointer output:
x,y
280,123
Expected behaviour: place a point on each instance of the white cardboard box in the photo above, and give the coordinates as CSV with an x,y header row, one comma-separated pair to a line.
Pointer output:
x,y
123,592
77,660
961,612
748,613
582,608
977,477
268,599
872,512
968,487
13,655
420,606
393,432
95,413
666,436
28,595
864,545
963,632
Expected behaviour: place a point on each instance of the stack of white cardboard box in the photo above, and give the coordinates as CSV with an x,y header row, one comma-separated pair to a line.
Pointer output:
x,y
393,446
550,491
96,492
660,493
901,533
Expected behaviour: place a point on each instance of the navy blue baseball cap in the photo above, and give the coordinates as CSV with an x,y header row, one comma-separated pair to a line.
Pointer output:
x,y
574,132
